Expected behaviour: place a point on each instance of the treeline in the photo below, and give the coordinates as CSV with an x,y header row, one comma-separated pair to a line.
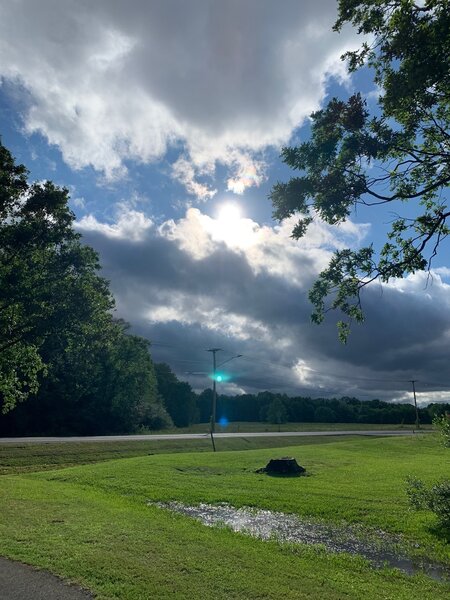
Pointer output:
x,y
122,391
280,408
66,365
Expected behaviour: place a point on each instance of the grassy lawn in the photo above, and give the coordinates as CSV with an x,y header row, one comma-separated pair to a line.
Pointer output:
x,y
91,523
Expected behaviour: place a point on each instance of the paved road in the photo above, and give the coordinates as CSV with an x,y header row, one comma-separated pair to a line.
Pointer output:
x,y
197,436
22,582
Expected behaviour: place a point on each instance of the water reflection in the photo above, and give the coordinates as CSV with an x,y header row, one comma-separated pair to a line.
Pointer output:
x,y
380,548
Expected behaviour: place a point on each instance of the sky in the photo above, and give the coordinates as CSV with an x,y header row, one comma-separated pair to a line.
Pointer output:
x,y
165,120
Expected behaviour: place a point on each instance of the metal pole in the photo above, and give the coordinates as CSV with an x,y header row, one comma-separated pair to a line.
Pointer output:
x,y
413,381
214,398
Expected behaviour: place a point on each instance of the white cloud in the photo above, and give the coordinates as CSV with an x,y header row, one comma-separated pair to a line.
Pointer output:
x,y
183,171
248,172
266,248
79,202
441,271
130,225
113,81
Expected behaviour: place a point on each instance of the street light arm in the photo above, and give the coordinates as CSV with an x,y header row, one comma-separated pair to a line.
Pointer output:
x,y
232,358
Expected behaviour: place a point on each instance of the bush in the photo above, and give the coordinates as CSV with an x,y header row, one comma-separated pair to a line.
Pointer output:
x,y
442,423
157,417
435,498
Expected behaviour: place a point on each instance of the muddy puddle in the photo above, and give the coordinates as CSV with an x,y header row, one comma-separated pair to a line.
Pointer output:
x,y
380,548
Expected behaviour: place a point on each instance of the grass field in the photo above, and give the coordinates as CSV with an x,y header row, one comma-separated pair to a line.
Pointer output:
x,y
29,457
91,523
238,426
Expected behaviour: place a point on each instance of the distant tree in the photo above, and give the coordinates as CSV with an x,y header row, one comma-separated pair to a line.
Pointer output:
x,y
400,154
437,410
301,410
204,405
276,412
178,397
324,414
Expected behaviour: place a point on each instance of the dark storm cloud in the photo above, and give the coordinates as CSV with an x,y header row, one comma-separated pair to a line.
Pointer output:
x,y
186,305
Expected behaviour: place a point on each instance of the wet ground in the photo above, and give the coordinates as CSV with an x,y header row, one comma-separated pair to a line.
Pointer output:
x,y
380,548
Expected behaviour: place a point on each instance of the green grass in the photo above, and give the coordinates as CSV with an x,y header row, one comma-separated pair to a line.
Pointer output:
x,y
33,456
91,523
246,426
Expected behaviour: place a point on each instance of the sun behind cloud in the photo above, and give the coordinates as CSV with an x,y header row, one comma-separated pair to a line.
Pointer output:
x,y
229,214
231,227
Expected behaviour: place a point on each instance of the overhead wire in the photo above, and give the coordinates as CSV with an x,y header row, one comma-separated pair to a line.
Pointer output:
x,y
256,360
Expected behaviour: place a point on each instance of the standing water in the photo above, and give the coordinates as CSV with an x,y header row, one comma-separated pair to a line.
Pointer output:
x,y
381,549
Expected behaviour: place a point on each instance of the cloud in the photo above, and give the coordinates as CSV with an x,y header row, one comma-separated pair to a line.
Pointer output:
x,y
248,172
112,81
131,225
184,172
188,286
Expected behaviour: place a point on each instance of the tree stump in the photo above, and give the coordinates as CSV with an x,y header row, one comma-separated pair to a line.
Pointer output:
x,y
283,466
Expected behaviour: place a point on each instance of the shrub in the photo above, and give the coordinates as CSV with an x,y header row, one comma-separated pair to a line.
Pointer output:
x,y
435,498
442,423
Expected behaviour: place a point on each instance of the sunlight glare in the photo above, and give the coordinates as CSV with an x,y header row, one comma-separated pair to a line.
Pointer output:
x,y
231,227
229,214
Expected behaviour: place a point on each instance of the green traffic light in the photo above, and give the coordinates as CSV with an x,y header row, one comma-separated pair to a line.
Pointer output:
x,y
219,378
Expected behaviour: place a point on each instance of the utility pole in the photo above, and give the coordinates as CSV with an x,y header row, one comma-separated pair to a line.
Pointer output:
x,y
413,381
214,398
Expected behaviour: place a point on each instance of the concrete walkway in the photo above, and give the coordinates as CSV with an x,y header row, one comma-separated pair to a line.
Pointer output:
x,y
22,582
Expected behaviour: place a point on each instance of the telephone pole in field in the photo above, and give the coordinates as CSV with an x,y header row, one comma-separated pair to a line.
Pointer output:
x,y
214,398
216,378
413,381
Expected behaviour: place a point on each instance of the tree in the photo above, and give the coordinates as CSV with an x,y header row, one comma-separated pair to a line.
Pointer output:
x,y
48,279
178,397
276,411
60,347
324,414
400,154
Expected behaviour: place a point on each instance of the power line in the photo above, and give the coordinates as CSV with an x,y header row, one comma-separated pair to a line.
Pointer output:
x,y
254,360
347,377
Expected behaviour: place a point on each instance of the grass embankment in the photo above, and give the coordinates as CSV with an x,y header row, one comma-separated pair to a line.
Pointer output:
x,y
91,523
33,456
254,426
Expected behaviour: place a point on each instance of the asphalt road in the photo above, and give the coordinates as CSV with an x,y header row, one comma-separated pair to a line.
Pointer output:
x,y
197,436
22,582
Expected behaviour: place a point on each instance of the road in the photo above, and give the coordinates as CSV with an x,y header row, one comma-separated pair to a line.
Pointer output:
x,y
198,436
22,582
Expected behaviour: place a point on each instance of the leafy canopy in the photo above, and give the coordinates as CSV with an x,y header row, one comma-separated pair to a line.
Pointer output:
x,y
400,154
48,279
60,347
